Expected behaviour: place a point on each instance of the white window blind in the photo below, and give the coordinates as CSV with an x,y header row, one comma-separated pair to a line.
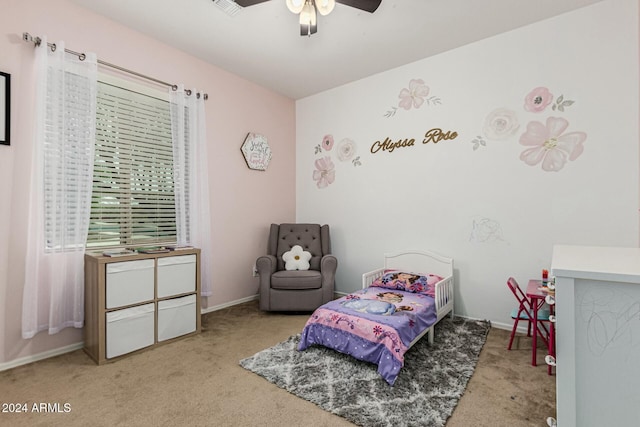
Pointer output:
x,y
133,193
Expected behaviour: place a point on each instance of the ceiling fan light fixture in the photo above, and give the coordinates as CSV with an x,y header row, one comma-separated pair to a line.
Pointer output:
x,y
308,15
308,19
295,6
325,7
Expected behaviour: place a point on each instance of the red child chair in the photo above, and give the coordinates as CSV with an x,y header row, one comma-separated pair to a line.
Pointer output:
x,y
524,311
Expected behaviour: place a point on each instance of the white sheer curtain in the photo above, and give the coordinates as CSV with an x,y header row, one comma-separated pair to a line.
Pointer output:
x,y
191,178
60,194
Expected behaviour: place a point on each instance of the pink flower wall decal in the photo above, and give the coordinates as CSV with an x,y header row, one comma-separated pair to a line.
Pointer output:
x,y
501,123
347,148
325,172
537,100
327,142
413,96
550,145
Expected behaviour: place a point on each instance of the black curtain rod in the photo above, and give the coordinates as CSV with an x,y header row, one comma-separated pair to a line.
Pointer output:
x,y
37,41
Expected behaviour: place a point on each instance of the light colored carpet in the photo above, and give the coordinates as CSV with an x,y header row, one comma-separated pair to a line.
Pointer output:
x,y
199,382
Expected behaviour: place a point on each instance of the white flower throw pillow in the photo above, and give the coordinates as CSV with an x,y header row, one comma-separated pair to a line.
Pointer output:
x,y
296,259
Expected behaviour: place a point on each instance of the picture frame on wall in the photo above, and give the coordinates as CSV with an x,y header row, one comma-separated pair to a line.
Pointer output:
x,y
5,108
256,151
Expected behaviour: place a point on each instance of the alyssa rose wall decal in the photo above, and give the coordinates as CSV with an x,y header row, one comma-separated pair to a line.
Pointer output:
x,y
550,145
325,173
501,123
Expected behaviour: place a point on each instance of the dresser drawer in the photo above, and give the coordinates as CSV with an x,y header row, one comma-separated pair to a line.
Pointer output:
x,y
176,275
129,282
176,317
130,329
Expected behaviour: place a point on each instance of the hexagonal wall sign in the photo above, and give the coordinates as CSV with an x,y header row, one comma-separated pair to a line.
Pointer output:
x,y
256,151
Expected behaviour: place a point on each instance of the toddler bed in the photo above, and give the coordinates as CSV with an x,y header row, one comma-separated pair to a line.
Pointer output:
x,y
397,305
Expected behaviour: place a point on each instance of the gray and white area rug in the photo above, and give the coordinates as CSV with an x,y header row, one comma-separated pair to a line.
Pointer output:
x,y
425,393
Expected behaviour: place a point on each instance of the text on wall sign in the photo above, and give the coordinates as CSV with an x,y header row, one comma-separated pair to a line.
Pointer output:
x,y
434,135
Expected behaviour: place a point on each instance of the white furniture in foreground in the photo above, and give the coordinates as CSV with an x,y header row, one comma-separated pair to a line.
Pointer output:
x,y
597,335
138,301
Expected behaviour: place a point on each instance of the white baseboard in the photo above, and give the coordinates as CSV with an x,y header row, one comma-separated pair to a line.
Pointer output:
x,y
229,304
499,325
508,326
40,356
504,326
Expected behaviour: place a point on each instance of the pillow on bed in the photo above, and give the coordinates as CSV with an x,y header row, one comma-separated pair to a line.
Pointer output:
x,y
409,282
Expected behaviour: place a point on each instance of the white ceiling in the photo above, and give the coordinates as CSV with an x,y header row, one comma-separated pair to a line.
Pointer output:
x,y
262,43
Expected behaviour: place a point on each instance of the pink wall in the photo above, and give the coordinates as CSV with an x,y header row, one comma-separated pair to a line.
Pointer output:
x,y
244,202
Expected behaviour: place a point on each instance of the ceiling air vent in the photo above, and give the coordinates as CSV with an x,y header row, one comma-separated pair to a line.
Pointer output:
x,y
229,7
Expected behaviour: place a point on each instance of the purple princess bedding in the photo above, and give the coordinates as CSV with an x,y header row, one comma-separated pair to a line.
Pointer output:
x,y
376,324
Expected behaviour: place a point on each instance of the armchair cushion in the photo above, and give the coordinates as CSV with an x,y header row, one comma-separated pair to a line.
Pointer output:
x,y
296,279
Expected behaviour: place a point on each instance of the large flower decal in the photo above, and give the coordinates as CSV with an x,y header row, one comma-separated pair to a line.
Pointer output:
x,y
537,100
325,172
550,145
414,95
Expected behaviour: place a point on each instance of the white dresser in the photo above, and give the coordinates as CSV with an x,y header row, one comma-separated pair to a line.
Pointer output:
x,y
598,335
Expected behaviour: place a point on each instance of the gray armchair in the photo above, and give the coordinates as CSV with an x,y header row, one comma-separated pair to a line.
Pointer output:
x,y
297,290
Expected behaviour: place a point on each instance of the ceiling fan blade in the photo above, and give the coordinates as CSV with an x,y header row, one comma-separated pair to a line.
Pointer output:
x,y
247,3
366,5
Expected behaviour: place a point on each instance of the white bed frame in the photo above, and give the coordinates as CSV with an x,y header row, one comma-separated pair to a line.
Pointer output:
x,y
426,263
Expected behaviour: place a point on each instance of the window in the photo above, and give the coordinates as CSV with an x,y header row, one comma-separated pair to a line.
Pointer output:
x,y
133,193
